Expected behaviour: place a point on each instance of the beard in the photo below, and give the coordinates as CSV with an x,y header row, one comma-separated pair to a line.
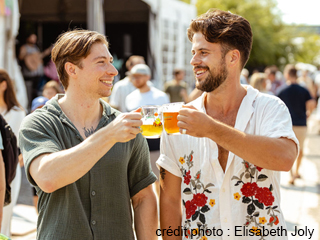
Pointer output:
x,y
214,79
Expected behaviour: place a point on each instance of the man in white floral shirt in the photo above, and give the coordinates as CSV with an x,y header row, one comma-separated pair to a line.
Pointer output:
x,y
220,179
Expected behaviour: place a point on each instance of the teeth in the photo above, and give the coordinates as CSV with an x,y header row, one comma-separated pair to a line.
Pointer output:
x,y
107,81
201,71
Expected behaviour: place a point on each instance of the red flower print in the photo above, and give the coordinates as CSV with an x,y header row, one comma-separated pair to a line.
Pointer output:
x,y
190,208
264,195
249,189
258,168
272,219
198,176
246,164
191,158
187,178
200,199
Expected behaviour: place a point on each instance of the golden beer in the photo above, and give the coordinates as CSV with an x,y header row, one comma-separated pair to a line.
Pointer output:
x,y
151,131
170,122
151,122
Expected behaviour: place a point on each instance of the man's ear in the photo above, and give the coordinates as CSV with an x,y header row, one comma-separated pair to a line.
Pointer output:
x,y
233,57
70,69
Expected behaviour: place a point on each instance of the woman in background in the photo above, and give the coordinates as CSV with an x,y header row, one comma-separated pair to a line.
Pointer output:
x,y
259,82
13,113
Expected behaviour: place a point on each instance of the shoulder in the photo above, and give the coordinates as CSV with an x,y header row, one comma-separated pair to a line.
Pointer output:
x,y
157,91
265,99
133,94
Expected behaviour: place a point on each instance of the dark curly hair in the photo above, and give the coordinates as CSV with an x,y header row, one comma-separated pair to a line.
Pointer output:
x,y
229,30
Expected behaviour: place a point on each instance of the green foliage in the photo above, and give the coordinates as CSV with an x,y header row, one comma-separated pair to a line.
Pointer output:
x,y
186,1
272,39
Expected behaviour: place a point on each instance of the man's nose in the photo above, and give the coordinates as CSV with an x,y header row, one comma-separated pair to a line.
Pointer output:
x,y
112,70
195,60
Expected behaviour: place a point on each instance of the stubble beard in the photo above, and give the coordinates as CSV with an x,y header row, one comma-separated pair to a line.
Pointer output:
x,y
214,79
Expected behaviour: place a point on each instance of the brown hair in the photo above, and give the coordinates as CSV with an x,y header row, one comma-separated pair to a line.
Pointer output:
x,y
229,30
73,46
9,94
176,71
132,61
53,84
291,70
271,70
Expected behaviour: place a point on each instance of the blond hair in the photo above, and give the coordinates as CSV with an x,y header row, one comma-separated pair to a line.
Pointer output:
x,y
257,81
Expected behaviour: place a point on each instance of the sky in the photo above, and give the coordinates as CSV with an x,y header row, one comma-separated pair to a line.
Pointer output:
x,y
300,12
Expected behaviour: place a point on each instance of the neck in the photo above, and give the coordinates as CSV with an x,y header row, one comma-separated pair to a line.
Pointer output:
x,y
144,89
81,110
225,99
292,80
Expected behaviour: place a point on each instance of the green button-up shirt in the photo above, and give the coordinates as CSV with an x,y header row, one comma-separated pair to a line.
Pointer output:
x,y
97,206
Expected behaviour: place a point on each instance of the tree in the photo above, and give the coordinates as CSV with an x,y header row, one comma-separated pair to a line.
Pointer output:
x,y
272,39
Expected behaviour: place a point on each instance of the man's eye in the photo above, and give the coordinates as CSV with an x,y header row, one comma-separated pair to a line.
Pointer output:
x,y
101,62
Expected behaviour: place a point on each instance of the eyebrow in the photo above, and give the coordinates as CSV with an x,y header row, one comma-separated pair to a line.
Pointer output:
x,y
96,58
200,49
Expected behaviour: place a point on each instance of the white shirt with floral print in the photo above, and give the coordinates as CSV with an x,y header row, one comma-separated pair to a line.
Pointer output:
x,y
241,202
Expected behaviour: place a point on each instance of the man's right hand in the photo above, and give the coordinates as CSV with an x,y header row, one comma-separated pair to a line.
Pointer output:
x,y
125,127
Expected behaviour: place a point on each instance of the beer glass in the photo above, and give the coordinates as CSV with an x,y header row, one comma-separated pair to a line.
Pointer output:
x,y
170,112
152,124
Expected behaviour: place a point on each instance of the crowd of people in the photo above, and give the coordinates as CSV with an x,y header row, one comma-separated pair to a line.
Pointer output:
x,y
93,173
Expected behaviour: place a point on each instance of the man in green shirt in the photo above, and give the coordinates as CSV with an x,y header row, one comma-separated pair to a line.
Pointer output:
x,y
86,160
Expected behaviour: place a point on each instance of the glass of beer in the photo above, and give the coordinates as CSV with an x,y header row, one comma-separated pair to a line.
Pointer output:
x,y
170,112
152,123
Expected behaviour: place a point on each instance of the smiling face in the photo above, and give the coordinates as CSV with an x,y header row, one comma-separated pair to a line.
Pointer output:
x,y
208,63
97,72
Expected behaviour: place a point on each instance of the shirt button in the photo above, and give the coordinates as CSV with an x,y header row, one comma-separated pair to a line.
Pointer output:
x,y
223,189
93,193
93,222
225,220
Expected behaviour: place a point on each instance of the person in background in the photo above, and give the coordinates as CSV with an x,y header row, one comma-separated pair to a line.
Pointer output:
x,y
32,66
305,81
195,93
273,84
88,162
231,137
244,77
300,105
259,82
13,113
50,89
177,88
124,87
2,182
140,74
38,102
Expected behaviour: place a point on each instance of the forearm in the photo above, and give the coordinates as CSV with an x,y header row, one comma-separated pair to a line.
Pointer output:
x,y
56,170
170,204
270,153
146,218
170,218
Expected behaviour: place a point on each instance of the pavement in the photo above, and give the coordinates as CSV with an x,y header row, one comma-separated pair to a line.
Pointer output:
x,y
300,202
